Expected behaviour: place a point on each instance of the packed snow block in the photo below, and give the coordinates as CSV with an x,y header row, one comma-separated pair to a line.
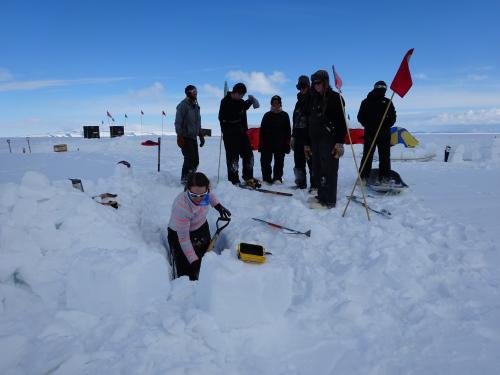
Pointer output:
x,y
240,295
35,185
116,282
457,154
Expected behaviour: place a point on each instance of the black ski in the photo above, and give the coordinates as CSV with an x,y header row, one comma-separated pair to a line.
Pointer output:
x,y
382,212
265,190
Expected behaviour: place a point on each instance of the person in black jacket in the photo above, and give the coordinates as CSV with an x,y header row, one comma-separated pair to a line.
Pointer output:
x,y
299,136
326,129
369,116
234,126
274,141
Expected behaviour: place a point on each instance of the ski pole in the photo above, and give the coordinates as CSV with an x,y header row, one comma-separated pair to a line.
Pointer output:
x,y
308,233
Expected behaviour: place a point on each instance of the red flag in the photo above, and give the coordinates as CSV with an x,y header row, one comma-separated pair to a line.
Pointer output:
x,y
338,80
402,80
109,114
142,113
149,143
163,113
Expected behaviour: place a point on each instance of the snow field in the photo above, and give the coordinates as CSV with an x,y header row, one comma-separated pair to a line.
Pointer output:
x,y
84,288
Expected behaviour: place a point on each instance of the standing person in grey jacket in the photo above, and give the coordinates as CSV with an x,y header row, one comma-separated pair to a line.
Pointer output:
x,y
188,127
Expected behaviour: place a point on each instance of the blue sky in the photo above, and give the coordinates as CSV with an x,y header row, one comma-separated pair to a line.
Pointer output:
x,y
63,64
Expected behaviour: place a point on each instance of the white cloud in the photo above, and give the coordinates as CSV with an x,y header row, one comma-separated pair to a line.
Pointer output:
x,y
259,82
472,116
156,89
213,90
421,76
485,68
42,84
477,77
5,75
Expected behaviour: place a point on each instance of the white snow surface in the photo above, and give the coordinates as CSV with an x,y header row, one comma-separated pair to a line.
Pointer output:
x,y
85,289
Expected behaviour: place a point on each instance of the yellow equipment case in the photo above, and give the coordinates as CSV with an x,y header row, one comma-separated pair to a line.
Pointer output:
x,y
251,253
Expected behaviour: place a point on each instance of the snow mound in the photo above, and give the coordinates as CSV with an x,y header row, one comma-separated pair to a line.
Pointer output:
x,y
239,294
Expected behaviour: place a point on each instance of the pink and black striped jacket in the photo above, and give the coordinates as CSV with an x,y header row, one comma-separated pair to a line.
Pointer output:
x,y
187,217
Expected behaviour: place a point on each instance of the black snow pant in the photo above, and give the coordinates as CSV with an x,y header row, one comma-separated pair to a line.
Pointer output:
x,y
238,146
200,238
191,158
383,144
300,161
326,167
266,158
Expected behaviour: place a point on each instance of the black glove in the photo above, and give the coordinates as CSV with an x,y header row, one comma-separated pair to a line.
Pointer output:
x,y
223,211
180,141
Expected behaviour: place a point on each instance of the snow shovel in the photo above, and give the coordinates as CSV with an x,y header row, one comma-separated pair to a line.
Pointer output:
x,y
217,233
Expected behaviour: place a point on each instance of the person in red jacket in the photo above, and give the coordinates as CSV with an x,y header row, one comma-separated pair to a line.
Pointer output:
x,y
275,134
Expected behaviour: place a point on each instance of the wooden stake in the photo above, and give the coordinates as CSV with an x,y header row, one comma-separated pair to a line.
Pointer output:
x,y
354,157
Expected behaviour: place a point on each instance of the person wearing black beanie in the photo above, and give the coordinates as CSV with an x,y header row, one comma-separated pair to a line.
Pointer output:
x,y
369,116
299,136
327,128
234,127
188,127
274,141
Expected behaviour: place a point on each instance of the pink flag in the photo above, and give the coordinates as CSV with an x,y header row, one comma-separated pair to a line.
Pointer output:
x,y
338,80
402,82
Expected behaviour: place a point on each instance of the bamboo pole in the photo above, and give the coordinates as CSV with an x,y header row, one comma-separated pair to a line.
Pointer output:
x,y
354,157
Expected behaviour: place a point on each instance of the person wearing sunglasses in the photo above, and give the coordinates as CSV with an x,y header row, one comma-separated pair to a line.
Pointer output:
x,y
326,131
188,230
299,136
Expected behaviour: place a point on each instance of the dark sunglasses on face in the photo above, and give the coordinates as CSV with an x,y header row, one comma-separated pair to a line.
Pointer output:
x,y
194,195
